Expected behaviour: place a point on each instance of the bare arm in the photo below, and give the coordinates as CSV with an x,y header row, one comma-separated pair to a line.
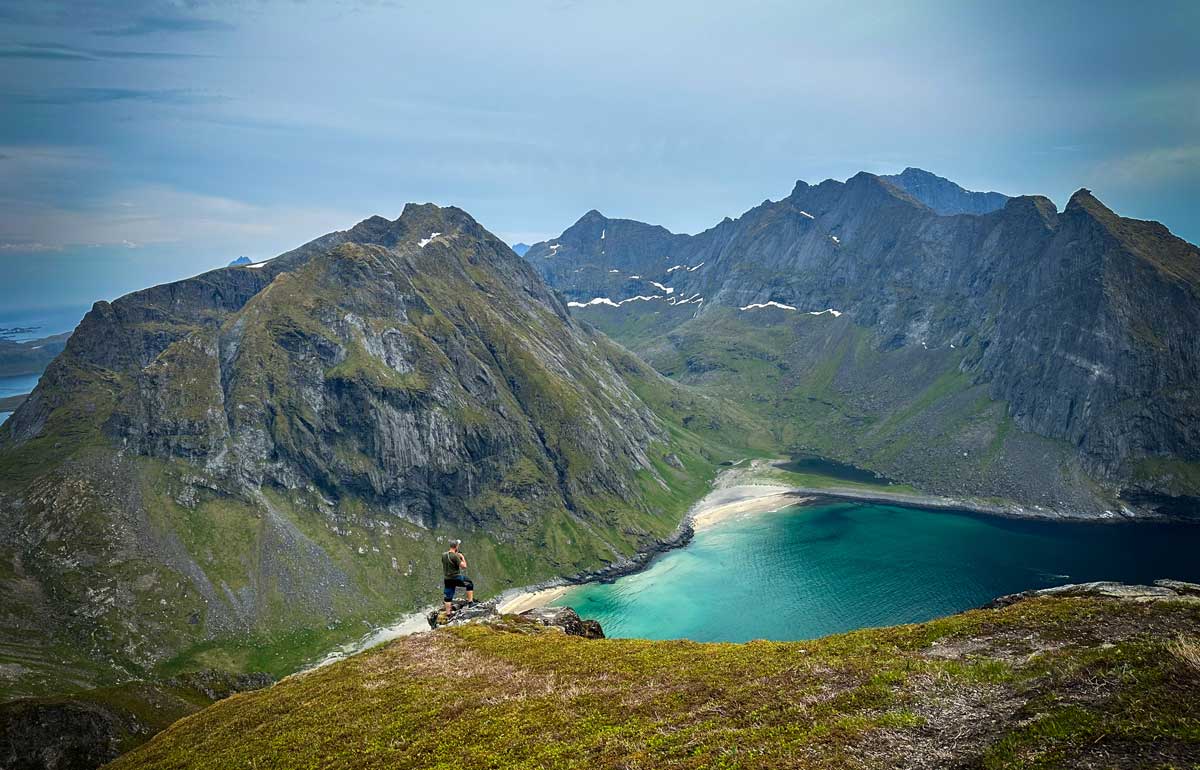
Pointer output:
x,y
462,560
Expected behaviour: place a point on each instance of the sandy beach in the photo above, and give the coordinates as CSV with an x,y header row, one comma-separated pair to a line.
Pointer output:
x,y
743,500
734,494
527,600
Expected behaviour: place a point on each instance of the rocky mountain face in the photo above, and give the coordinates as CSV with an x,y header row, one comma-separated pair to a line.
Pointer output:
x,y
233,469
942,195
1041,355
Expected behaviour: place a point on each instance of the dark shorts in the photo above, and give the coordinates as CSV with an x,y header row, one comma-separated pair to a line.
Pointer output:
x,y
459,582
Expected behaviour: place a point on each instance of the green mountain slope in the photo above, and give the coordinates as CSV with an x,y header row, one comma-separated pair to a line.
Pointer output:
x,y
1059,342
1053,681
234,470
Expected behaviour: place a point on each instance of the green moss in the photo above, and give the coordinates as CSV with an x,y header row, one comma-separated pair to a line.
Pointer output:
x,y
361,366
1181,477
520,697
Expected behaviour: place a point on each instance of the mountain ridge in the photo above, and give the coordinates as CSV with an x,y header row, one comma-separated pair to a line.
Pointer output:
x,y
244,466
983,288
944,196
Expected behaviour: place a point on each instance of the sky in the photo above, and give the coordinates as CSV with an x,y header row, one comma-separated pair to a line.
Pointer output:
x,y
148,140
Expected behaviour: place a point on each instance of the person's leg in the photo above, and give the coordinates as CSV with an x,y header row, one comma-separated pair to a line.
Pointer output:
x,y
470,590
448,595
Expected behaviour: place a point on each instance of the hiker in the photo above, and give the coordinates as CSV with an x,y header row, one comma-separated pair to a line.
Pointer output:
x,y
454,570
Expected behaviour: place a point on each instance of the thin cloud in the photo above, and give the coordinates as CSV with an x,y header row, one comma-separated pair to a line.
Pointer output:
x,y
150,25
1152,167
27,247
73,96
55,52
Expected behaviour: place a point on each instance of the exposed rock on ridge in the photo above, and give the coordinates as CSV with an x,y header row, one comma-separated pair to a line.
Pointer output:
x,y
1081,322
277,446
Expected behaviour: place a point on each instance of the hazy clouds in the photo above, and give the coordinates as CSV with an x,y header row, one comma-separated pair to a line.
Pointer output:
x,y
159,139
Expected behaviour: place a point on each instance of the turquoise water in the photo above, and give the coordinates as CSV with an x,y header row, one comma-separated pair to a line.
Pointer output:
x,y
810,571
4,416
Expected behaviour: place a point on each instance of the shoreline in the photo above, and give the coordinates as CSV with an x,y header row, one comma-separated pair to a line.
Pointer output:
x,y
972,506
723,502
738,490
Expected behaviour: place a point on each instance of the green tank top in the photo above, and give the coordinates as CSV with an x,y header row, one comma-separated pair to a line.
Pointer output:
x,y
451,565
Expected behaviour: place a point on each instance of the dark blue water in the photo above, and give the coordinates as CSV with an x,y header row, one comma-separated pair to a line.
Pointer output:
x,y
15,386
43,322
810,571
823,466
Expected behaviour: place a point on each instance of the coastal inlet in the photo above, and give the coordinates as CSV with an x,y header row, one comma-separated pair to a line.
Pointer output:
x,y
827,567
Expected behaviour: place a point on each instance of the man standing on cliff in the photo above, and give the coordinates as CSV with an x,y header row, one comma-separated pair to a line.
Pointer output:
x,y
454,572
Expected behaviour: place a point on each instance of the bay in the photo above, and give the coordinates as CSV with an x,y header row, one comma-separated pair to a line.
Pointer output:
x,y
814,570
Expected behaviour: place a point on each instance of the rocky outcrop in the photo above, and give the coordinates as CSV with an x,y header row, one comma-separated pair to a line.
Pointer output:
x,y
1162,589
90,729
563,618
566,619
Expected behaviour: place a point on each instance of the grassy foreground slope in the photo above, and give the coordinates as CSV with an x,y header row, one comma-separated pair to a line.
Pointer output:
x,y
1052,681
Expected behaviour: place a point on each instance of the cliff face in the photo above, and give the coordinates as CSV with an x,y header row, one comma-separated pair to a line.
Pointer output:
x,y
260,457
1050,312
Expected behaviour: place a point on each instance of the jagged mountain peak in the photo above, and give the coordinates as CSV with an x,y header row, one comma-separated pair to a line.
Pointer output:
x,y
1151,242
1038,206
1083,200
943,195
865,188
592,216
344,407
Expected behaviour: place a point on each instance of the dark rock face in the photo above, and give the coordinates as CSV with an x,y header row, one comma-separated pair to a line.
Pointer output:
x,y
943,196
1082,323
277,445
58,736
92,729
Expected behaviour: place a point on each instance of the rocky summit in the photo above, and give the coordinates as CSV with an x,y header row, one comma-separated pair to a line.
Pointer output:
x,y
238,469
967,344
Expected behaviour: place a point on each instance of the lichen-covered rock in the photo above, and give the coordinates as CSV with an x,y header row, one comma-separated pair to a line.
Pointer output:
x,y
462,612
563,618
567,619
1162,589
